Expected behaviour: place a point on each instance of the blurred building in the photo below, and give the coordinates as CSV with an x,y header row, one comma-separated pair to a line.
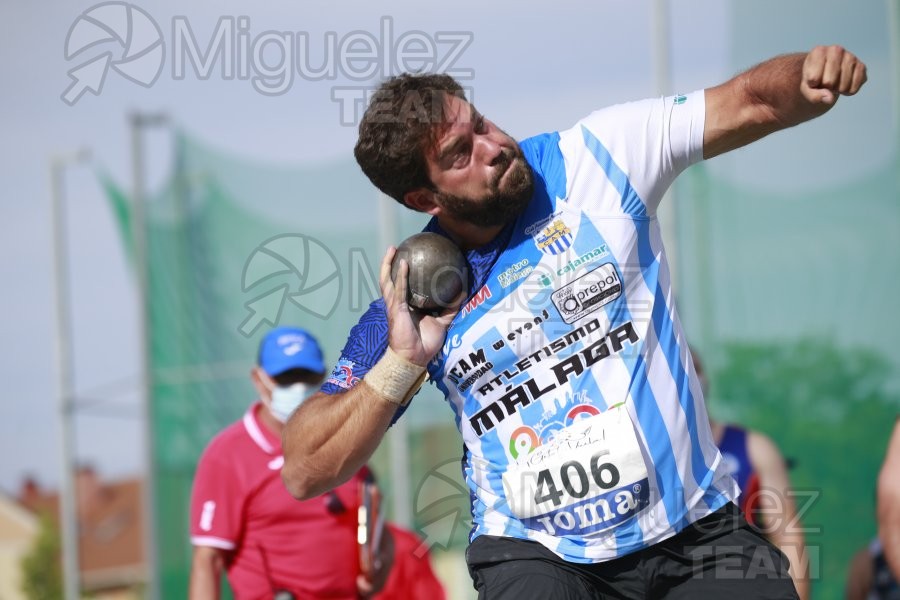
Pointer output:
x,y
110,543
18,531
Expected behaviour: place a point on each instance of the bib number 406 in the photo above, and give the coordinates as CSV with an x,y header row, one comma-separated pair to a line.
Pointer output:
x,y
574,479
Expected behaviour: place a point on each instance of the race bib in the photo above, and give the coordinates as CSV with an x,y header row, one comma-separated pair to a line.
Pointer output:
x,y
589,478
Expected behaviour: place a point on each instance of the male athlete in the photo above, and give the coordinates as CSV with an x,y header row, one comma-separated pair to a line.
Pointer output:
x,y
587,447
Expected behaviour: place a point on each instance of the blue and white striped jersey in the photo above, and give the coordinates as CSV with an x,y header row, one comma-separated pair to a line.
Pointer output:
x,y
583,422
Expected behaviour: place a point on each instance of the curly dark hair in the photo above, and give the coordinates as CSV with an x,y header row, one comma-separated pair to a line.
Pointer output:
x,y
404,119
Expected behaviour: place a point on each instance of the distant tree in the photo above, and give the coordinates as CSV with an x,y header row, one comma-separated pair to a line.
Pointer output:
x,y
42,566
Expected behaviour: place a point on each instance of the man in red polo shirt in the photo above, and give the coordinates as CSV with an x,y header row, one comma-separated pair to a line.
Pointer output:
x,y
245,522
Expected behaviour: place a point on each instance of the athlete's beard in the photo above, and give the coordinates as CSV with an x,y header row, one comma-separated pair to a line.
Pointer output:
x,y
504,204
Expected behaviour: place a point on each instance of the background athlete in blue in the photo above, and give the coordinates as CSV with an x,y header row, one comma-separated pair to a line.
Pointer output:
x,y
424,145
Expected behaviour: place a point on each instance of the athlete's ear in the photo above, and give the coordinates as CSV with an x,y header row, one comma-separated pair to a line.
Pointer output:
x,y
422,200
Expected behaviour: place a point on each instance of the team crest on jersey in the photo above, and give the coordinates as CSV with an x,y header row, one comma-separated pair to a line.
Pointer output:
x,y
551,235
342,375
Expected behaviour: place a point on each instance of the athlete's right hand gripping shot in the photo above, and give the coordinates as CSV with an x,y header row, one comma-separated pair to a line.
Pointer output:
x,y
588,454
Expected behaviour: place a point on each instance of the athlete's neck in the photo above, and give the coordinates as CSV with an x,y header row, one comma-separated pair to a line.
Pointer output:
x,y
466,235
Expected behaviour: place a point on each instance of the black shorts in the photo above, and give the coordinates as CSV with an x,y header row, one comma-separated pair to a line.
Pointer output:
x,y
719,556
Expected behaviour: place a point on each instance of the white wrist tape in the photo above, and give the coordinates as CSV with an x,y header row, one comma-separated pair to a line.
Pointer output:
x,y
395,379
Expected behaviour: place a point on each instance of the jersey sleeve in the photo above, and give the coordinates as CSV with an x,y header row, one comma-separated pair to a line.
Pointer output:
x,y
366,344
216,503
640,147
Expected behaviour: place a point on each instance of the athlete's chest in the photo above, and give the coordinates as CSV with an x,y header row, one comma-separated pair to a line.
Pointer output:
x,y
555,303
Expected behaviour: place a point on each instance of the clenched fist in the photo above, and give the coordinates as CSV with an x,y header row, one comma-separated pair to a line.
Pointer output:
x,y
829,72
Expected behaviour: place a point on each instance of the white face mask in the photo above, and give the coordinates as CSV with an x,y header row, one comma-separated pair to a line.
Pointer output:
x,y
285,400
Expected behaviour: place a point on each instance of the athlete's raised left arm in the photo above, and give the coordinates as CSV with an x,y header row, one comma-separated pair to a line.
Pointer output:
x,y
779,93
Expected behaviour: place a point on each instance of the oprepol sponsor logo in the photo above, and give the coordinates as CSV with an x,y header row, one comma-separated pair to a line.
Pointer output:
x,y
589,292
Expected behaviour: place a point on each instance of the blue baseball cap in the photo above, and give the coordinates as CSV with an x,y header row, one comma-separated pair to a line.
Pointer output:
x,y
286,348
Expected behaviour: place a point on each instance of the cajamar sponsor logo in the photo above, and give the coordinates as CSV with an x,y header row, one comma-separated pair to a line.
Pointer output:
x,y
590,256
